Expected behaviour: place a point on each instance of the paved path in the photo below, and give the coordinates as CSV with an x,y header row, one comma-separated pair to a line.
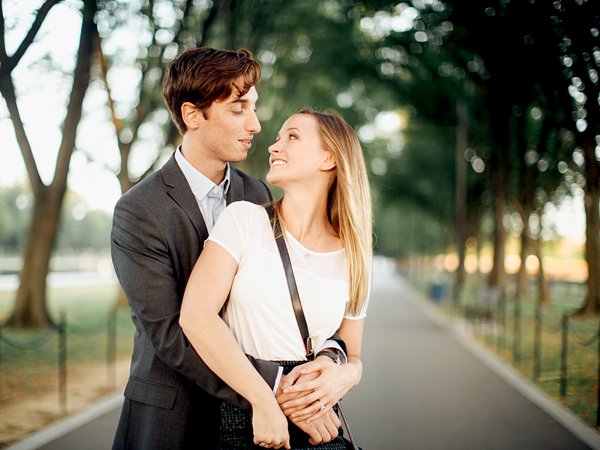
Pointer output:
x,y
424,388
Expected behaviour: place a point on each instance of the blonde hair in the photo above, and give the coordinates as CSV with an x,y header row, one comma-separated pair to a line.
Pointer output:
x,y
348,201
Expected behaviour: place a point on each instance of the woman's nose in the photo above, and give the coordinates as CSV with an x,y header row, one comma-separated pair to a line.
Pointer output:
x,y
273,148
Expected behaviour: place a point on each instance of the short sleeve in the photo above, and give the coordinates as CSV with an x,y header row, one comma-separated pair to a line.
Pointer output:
x,y
231,228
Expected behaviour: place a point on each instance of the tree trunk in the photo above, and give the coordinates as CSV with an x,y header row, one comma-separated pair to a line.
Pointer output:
x,y
543,291
461,198
497,275
592,251
522,288
30,309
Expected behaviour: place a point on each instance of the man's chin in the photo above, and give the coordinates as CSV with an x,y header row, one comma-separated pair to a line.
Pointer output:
x,y
238,157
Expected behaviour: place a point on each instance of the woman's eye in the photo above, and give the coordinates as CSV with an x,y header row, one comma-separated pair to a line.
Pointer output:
x,y
293,136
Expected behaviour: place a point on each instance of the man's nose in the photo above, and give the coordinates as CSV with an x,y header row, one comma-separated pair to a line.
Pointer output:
x,y
253,124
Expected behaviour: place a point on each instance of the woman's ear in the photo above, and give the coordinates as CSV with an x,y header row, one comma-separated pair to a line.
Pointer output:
x,y
328,162
190,115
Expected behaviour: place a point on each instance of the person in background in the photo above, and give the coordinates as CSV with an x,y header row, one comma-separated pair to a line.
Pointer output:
x,y
237,301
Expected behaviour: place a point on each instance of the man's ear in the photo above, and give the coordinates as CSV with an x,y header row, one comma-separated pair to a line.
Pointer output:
x,y
191,115
328,162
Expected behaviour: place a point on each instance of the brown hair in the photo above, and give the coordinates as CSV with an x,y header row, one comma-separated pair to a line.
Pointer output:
x,y
204,75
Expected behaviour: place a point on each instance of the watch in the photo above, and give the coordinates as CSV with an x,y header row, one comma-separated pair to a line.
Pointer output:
x,y
334,356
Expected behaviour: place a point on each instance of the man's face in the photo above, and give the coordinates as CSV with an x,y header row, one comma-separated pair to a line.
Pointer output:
x,y
227,131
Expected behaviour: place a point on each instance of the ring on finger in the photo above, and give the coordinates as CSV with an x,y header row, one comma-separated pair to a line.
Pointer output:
x,y
322,405
264,444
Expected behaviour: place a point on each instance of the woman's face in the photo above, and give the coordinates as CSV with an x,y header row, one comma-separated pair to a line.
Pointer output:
x,y
297,155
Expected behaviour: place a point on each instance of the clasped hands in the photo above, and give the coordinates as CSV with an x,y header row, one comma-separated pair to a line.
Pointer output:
x,y
307,394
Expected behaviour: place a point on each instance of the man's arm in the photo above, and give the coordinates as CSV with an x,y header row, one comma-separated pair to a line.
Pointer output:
x,y
146,273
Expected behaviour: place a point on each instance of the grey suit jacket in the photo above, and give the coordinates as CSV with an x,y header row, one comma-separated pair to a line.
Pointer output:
x,y
171,398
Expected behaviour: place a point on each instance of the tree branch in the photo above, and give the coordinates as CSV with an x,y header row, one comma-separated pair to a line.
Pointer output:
x,y
81,81
210,19
3,55
7,90
118,124
9,63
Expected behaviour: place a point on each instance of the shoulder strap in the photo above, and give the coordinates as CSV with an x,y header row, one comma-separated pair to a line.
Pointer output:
x,y
291,280
289,274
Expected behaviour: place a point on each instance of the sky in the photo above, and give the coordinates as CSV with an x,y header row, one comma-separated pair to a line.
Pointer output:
x,y
42,95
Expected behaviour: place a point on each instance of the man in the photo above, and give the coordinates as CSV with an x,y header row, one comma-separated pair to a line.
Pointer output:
x,y
159,229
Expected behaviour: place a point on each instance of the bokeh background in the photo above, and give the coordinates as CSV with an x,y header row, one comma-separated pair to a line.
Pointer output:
x,y
479,122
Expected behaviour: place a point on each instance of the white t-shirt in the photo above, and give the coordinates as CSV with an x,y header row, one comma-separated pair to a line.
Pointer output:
x,y
259,309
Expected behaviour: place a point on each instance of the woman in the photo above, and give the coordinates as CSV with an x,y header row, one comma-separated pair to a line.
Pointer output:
x,y
326,214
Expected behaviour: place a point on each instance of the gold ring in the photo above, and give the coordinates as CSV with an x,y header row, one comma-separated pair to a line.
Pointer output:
x,y
264,444
322,405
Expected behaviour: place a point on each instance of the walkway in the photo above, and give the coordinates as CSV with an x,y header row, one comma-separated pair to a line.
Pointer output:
x,y
425,387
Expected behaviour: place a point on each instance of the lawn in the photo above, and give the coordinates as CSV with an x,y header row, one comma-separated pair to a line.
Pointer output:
x,y
98,341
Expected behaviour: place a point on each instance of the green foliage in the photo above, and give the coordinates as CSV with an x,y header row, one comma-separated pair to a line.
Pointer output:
x,y
403,229
363,57
83,230
80,229
15,203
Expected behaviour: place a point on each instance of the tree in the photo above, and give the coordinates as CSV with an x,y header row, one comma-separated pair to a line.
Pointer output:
x,y
30,305
577,38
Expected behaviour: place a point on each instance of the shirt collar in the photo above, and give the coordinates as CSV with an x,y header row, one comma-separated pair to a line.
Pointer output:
x,y
199,183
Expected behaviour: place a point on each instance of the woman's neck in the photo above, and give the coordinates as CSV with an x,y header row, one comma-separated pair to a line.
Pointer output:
x,y
305,217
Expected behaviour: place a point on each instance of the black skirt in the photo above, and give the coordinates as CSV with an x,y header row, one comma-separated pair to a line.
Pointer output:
x,y
235,432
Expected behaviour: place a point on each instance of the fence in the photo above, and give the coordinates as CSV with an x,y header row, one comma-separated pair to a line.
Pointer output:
x,y
13,343
557,349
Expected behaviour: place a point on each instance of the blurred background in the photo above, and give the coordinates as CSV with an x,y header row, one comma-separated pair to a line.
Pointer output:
x,y
479,122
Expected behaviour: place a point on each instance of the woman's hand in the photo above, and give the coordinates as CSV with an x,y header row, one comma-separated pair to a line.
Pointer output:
x,y
270,425
311,389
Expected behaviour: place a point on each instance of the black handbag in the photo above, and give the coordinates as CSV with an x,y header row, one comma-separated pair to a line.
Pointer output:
x,y
299,312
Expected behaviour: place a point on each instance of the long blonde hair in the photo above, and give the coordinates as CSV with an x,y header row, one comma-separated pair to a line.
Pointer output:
x,y
348,201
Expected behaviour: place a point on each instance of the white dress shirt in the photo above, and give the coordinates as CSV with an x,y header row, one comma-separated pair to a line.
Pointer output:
x,y
211,198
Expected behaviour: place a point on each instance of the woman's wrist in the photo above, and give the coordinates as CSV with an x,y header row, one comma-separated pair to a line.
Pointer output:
x,y
262,398
354,369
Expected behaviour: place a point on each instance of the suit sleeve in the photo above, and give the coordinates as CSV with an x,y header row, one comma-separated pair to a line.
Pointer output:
x,y
145,270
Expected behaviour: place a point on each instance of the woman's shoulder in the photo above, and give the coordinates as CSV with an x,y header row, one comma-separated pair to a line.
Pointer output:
x,y
246,212
244,207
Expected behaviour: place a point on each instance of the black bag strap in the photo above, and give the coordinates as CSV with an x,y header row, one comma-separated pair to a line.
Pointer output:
x,y
298,311
291,281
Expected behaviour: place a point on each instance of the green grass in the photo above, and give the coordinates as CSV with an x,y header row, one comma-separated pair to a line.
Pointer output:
x,y
87,311
516,345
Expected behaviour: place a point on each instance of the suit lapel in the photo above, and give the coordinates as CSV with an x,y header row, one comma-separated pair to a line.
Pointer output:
x,y
179,190
236,188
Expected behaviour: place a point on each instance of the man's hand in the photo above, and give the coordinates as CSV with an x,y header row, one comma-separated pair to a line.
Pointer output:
x,y
288,381
322,430
315,387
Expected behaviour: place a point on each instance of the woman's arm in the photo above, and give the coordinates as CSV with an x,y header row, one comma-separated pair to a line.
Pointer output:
x,y
323,382
205,295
